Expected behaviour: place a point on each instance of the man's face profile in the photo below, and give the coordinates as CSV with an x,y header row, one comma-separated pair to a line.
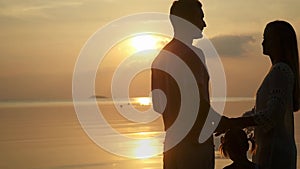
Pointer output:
x,y
197,19
193,14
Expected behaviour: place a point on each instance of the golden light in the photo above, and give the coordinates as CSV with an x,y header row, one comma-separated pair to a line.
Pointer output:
x,y
146,148
144,101
144,42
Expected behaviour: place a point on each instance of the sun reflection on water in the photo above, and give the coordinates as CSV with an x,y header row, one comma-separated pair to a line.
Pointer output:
x,y
146,148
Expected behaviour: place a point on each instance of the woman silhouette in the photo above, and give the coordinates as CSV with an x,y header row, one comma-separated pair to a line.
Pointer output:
x,y
276,100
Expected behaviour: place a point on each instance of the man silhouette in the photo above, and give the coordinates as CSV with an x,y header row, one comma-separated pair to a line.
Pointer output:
x,y
188,153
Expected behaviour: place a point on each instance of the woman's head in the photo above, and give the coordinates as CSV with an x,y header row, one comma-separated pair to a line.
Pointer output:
x,y
280,43
235,144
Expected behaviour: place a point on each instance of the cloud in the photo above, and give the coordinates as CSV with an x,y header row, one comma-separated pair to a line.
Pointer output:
x,y
34,9
232,45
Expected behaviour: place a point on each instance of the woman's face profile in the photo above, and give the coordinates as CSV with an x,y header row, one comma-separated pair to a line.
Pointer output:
x,y
270,42
266,42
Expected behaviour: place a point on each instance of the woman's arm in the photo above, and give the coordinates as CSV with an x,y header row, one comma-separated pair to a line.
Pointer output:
x,y
280,89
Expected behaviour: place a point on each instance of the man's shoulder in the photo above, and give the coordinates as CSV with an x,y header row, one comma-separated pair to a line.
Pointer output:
x,y
170,49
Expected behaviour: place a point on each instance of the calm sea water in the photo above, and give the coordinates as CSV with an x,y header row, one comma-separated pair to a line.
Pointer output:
x,y
48,135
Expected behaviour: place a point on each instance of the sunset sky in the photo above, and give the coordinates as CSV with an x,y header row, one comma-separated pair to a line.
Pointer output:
x,y
41,40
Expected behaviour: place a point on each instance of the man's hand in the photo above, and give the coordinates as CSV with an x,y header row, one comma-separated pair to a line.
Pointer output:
x,y
223,126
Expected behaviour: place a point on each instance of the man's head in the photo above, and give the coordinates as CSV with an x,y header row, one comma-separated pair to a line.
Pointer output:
x,y
189,10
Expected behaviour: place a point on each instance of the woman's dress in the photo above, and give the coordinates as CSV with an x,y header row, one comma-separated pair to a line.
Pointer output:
x,y
274,115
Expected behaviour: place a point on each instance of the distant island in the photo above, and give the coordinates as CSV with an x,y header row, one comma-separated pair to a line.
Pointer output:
x,y
100,97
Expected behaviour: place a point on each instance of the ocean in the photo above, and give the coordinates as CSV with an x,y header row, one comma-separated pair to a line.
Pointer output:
x,y
48,135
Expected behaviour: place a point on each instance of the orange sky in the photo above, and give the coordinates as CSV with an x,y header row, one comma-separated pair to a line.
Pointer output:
x,y
41,40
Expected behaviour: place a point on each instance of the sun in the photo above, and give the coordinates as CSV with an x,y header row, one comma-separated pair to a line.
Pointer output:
x,y
144,42
144,101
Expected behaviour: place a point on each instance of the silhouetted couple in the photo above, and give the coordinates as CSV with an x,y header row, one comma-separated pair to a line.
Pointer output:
x,y
272,116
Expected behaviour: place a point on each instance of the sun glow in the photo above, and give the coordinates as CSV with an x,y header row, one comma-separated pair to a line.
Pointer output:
x,y
144,101
146,148
144,42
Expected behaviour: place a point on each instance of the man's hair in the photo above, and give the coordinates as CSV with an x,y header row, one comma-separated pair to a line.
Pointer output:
x,y
185,9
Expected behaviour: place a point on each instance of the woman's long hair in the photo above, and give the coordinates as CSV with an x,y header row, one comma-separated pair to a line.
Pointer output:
x,y
289,52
